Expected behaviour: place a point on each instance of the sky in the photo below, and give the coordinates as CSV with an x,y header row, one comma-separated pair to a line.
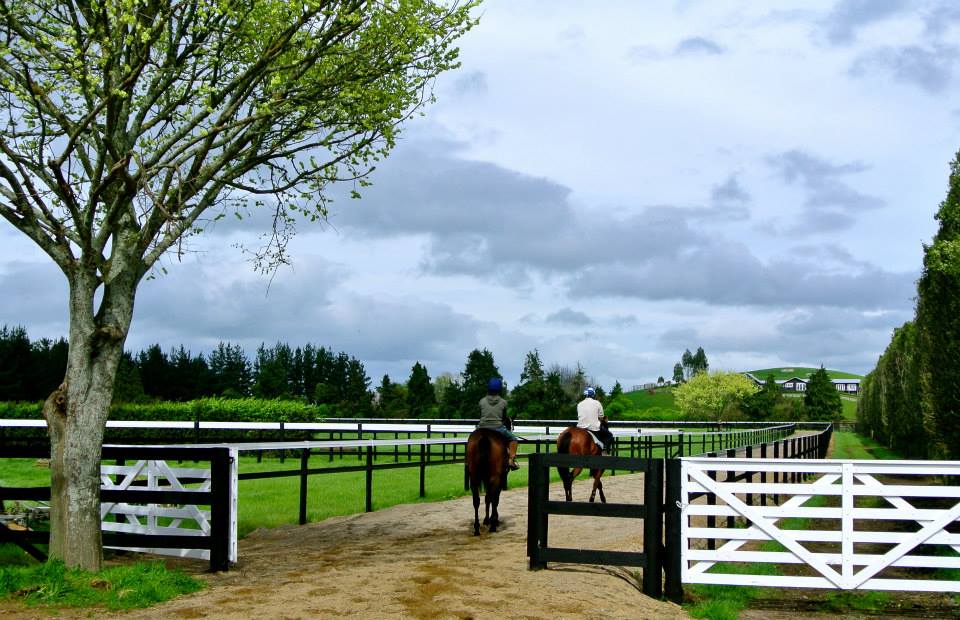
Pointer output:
x,y
609,183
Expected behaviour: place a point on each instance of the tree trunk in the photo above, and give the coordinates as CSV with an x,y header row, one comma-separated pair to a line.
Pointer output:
x,y
76,415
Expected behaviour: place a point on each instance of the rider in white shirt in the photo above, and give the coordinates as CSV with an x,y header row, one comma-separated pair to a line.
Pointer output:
x,y
590,415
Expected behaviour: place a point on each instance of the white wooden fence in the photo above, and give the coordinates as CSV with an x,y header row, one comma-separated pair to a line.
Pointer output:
x,y
876,518
160,519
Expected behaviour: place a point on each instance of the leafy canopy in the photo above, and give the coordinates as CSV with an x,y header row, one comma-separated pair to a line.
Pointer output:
x,y
124,121
709,394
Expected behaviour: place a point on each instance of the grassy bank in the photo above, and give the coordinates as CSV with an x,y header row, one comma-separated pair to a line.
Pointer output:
x,y
51,585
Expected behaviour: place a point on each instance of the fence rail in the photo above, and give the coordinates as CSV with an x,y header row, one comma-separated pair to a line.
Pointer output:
x,y
864,528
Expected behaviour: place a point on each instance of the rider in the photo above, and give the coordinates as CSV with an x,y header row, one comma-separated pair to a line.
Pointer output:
x,y
493,414
590,415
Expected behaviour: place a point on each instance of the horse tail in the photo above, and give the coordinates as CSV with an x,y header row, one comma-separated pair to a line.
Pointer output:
x,y
563,447
483,459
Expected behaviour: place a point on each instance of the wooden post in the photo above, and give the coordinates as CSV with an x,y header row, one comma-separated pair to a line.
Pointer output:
x,y
731,477
220,510
673,522
653,528
369,472
763,474
304,458
537,494
423,470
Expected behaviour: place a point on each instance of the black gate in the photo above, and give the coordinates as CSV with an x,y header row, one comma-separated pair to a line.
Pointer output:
x,y
540,507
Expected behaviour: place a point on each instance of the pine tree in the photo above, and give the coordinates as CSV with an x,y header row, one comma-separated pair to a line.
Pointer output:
x,y
526,400
678,373
421,396
822,400
617,391
699,361
480,368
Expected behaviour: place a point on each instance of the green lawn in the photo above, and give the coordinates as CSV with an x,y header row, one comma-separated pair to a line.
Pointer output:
x,y
646,406
788,372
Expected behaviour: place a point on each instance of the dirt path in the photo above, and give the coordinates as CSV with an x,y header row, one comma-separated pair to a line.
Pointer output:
x,y
421,561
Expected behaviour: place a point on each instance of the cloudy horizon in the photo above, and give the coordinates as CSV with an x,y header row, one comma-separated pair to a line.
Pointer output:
x,y
610,187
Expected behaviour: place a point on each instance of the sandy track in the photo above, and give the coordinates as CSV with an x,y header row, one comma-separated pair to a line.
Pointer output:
x,y
422,562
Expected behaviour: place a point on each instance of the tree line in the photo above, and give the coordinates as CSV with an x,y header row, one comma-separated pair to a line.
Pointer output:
x,y
911,399
31,370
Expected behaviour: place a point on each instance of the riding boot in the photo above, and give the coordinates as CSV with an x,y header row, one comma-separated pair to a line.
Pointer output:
x,y
512,449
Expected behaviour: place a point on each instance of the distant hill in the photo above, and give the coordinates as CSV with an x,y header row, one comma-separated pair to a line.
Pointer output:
x,y
788,372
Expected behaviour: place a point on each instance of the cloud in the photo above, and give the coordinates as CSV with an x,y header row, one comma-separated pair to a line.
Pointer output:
x,y
472,83
729,192
840,26
929,68
941,18
830,203
729,275
843,339
569,317
482,219
203,304
34,292
698,46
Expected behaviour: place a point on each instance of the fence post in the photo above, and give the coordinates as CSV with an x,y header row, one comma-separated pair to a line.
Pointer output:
x,y
763,474
653,528
672,523
536,513
220,510
304,458
731,477
423,470
369,506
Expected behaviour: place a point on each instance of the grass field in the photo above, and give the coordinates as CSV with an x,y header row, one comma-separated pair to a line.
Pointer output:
x,y
788,372
656,406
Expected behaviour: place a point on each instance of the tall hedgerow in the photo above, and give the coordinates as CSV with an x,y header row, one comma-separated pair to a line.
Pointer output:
x,y
938,320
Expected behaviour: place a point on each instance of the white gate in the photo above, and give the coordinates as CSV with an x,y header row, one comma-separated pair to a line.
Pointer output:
x,y
156,519
873,518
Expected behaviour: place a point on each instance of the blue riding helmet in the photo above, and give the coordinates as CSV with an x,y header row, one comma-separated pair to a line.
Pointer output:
x,y
590,392
495,384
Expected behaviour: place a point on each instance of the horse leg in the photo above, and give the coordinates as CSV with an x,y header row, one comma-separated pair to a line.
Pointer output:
x,y
475,488
565,478
495,515
597,485
486,508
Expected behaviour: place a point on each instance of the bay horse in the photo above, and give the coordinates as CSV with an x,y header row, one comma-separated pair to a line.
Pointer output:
x,y
487,466
574,440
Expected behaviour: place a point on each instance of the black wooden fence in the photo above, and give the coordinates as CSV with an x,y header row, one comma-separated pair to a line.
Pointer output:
x,y
218,498
540,507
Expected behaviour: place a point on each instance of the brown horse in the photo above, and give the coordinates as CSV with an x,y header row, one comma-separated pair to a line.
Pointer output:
x,y
575,440
487,466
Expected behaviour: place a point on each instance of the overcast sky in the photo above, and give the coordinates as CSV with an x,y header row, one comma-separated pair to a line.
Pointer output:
x,y
610,183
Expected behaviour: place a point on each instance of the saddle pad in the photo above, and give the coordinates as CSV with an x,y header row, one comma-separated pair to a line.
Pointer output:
x,y
597,441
